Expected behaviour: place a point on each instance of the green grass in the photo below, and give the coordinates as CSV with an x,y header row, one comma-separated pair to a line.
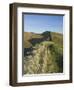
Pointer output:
x,y
47,59
57,38
47,56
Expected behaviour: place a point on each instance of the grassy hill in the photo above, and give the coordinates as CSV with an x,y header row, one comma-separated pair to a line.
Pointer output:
x,y
56,37
43,53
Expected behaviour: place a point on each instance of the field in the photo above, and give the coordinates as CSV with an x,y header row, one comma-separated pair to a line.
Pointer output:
x,y
43,52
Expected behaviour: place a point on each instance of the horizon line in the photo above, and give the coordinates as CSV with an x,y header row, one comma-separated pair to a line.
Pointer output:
x,y
44,31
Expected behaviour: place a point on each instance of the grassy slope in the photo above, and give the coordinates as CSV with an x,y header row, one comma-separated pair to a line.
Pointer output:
x,y
56,37
48,56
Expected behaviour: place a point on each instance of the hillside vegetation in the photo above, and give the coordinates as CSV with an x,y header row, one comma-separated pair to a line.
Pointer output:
x,y
43,53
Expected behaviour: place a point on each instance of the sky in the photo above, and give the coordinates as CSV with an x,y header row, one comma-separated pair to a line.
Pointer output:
x,y
40,23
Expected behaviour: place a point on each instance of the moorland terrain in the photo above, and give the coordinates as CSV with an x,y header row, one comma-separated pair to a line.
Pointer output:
x,y
43,52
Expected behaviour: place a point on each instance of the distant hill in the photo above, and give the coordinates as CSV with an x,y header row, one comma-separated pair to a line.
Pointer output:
x,y
28,36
